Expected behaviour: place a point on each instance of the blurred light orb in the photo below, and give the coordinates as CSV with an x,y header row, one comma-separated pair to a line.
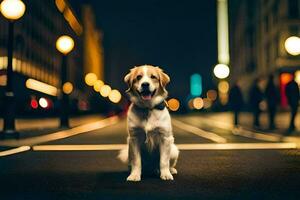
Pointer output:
x,y
115,96
223,97
97,85
297,77
105,90
212,95
223,87
34,104
64,44
221,71
3,80
190,104
207,103
90,79
67,88
43,102
198,103
173,104
12,9
292,45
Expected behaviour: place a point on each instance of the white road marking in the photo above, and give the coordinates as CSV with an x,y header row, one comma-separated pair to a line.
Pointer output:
x,y
80,147
255,135
244,132
199,132
14,151
227,146
62,134
237,146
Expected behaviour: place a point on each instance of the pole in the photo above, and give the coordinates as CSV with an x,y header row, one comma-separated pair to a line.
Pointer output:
x,y
64,98
9,102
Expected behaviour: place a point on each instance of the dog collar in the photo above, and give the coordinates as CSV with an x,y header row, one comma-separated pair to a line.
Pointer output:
x,y
159,106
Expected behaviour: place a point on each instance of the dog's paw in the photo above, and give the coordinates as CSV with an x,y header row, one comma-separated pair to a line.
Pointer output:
x,y
166,175
134,177
173,170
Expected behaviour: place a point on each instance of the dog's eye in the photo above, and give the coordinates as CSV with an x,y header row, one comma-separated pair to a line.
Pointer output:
x,y
139,77
153,77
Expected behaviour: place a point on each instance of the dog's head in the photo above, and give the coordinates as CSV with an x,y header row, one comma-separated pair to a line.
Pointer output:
x,y
147,85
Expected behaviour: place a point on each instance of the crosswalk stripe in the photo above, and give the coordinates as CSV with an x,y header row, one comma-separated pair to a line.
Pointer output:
x,y
199,132
259,136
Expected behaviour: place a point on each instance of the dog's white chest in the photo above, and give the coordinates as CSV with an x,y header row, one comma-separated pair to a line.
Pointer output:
x,y
154,121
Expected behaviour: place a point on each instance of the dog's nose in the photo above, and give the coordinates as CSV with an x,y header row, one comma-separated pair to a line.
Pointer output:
x,y
145,85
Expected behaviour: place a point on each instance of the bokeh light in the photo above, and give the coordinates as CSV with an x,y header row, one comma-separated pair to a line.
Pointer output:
x,y
90,79
173,104
34,103
67,88
97,85
221,71
12,9
223,87
207,103
292,45
198,103
212,95
223,98
43,102
115,96
297,76
64,44
190,104
105,90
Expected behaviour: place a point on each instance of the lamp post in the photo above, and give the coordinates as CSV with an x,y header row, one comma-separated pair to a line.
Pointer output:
x,y
64,45
12,10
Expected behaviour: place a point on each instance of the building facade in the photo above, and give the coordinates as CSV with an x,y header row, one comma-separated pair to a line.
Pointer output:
x,y
259,30
36,57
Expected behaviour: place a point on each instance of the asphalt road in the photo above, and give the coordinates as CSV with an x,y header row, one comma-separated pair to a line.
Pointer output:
x,y
202,174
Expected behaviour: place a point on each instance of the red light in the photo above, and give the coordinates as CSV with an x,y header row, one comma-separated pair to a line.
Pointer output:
x,y
284,79
34,104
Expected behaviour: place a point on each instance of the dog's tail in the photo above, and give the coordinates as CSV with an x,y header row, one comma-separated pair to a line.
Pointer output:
x,y
123,155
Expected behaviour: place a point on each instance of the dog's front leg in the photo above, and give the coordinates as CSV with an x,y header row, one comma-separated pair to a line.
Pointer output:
x,y
134,159
165,151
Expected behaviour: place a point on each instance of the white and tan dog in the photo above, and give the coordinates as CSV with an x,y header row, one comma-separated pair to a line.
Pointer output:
x,y
149,123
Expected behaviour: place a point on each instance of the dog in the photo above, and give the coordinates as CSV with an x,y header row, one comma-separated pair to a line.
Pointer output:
x,y
150,136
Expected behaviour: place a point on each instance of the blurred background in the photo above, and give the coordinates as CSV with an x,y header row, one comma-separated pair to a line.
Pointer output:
x,y
205,47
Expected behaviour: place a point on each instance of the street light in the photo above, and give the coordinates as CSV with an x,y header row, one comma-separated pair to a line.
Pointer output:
x,y
12,10
221,71
292,45
64,45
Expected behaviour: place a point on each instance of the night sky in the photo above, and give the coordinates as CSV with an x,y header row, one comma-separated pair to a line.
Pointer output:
x,y
179,36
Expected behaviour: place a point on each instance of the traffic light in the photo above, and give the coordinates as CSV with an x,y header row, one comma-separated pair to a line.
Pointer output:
x,y
196,85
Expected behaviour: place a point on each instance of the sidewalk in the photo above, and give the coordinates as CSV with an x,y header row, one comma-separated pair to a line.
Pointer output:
x,y
35,127
246,120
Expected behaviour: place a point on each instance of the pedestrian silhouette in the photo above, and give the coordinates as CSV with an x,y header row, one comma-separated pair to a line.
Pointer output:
x,y
256,96
272,98
292,94
236,101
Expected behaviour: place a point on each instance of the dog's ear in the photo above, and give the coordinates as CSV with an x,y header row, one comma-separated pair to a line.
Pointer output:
x,y
129,79
164,79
